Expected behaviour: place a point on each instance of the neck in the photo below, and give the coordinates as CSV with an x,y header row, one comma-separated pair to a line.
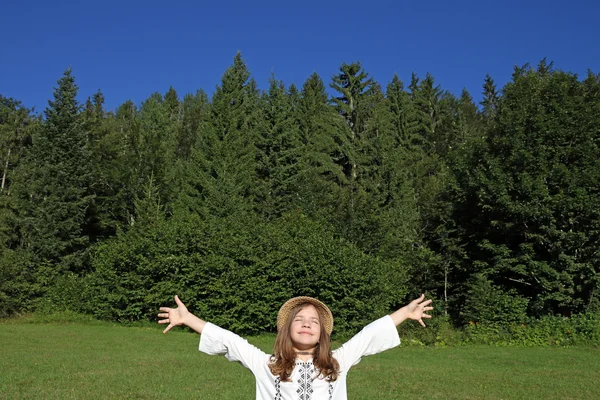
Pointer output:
x,y
304,354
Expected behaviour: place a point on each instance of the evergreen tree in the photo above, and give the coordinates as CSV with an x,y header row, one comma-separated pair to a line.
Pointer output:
x,y
427,97
221,178
55,193
403,117
359,97
524,204
173,105
127,164
323,137
16,124
157,143
110,168
16,127
469,121
195,110
490,98
278,150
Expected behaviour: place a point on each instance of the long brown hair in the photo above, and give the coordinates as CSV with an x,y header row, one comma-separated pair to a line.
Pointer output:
x,y
283,359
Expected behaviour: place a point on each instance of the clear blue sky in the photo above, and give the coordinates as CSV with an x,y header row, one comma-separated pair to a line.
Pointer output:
x,y
130,49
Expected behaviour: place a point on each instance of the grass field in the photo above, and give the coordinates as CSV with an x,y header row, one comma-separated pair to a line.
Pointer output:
x,y
103,361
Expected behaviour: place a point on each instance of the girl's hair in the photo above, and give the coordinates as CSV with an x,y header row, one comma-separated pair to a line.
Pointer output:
x,y
283,359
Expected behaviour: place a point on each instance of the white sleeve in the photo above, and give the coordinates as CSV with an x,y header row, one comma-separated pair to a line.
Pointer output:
x,y
378,336
218,341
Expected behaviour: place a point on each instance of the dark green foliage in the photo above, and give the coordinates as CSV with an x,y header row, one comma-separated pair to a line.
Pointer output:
x,y
16,127
16,124
526,199
47,209
278,150
195,108
490,98
489,304
239,280
17,282
578,330
363,200
109,153
221,175
157,142
54,192
317,185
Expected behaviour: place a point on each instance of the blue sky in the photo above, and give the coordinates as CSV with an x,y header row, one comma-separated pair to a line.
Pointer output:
x,y
130,49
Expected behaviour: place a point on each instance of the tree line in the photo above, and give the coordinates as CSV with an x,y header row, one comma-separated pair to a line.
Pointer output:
x,y
364,199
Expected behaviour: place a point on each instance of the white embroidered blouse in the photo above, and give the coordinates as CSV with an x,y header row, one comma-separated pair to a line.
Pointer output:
x,y
304,383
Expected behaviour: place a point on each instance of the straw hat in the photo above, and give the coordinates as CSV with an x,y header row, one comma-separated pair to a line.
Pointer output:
x,y
322,309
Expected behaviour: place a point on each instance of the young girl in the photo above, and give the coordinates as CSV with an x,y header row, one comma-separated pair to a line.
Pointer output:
x,y
302,366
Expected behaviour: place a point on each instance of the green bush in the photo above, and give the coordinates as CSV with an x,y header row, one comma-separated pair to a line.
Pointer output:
x,y
487,303
439,333
579,329
237,271
17,282
54,317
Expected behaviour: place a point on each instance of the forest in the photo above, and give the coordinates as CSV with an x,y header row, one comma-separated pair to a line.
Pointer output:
x,y
364,199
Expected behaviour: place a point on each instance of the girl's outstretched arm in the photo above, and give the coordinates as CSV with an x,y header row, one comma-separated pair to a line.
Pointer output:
x,y
180,316
414,310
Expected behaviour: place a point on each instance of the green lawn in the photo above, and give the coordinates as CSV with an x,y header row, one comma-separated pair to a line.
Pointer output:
x,y
101,361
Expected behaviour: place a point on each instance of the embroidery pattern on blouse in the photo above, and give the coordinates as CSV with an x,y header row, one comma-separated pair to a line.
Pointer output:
x,y
278,389
305,389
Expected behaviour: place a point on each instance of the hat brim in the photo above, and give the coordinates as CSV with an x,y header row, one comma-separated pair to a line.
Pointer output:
x,y
286,309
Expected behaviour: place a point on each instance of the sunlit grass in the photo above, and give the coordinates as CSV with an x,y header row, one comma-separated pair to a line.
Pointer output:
x,y
103,361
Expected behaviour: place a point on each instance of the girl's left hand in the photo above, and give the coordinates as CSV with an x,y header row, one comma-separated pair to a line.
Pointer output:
x,y
174,316
416,309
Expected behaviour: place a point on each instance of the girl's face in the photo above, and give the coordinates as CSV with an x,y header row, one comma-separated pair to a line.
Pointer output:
x,y
305,329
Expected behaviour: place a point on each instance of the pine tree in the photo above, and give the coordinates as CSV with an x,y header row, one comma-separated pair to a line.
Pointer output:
x,y
278,150
221,178
111,168
359,97
55,195
524,203
127,164
173,105
16,127
402,112
323,136
16,124
469,121
427,97
195,110
490,98
159,124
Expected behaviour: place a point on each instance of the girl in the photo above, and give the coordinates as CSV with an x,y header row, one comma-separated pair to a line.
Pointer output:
x,y
302,366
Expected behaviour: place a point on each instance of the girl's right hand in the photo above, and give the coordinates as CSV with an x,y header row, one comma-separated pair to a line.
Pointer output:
x,y
174,316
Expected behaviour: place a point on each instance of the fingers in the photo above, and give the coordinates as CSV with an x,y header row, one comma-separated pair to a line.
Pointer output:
x,y
426,316
427,308
422,323
178,302
165,315
420,302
